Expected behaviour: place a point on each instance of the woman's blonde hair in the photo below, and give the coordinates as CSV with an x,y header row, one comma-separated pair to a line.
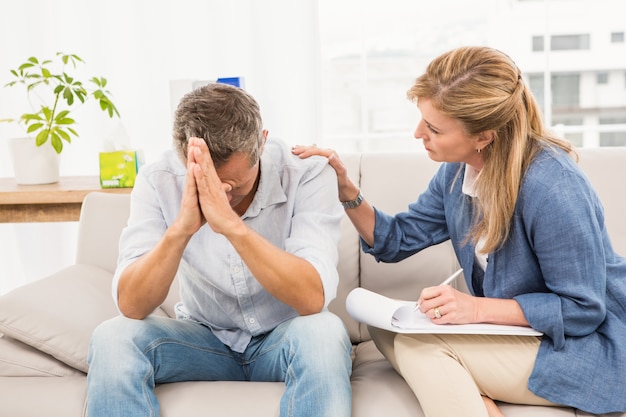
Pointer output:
x,y
483,88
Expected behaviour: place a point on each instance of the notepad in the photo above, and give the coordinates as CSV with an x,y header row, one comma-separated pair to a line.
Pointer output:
x,y
398,316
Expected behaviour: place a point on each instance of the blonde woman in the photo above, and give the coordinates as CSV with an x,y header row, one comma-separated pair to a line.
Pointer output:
x,y
528,230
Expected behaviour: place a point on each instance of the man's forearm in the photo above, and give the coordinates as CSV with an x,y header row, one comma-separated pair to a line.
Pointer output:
x,y
145,283
287,277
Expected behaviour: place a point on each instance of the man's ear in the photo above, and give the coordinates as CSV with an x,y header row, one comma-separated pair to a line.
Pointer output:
x,y
485,138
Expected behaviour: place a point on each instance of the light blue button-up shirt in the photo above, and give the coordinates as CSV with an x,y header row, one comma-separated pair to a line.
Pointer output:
x,y
295,208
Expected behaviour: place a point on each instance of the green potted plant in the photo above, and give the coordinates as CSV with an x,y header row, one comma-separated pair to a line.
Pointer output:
x,y
54,92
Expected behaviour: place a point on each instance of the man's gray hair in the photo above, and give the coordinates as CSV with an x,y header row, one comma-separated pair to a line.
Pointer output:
x,y
226,117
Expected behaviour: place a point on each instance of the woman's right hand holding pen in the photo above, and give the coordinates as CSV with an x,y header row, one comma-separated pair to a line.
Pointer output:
x,y
457,307
441,302
444,304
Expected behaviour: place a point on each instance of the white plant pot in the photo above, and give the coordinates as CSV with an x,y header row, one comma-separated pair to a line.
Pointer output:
x,y
34,164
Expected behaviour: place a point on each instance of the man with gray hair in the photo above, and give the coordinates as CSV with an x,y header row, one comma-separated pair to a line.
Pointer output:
x,y
251,233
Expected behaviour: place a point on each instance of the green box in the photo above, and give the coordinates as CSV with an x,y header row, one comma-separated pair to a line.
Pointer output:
x,y
119,169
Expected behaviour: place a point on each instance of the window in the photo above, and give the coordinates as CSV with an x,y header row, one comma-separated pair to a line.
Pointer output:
x,y
562,126
565,91
536,84
617,37
569,42
613,131
562,43
602,77
565,95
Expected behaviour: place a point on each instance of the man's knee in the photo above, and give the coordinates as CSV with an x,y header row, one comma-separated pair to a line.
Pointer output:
x,y
115,329
118,336
324,325
322,337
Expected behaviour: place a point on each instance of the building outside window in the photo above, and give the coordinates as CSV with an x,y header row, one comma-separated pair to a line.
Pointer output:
x,y
617,37
562,42
565,92
569,42
538,42
370,56
610,136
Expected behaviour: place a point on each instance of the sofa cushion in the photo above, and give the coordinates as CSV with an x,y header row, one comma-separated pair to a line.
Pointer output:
x,y
220,398
37,397
58,314
376,385
18,359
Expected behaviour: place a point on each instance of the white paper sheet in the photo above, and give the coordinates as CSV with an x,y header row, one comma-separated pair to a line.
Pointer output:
x,y
397,316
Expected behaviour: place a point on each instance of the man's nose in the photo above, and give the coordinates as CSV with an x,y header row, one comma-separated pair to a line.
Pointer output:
x,y
228,189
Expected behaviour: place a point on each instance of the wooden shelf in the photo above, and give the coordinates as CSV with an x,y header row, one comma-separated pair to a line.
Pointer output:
x,y
58,202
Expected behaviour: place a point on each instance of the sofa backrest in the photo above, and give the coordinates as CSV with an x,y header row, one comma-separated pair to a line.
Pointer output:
x,y
349,267
102,218
606,169
389,181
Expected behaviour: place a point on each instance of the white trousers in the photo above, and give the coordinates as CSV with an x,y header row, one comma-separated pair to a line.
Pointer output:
x,y
449,373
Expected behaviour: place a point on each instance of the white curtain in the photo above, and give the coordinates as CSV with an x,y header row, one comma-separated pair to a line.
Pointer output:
x,y
140,46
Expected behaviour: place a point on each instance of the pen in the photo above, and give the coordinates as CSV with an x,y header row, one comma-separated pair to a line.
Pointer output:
x,y
445,282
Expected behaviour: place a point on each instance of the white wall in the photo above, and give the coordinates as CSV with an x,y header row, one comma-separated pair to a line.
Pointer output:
x,y
139,46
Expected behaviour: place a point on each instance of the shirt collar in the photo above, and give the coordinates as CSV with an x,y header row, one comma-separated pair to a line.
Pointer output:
x,y
270,190
469,179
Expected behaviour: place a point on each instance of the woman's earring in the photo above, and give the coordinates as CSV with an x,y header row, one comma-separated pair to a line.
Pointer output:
x,y
478,150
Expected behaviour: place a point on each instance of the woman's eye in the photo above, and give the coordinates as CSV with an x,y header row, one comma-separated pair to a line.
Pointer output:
x,y
431,129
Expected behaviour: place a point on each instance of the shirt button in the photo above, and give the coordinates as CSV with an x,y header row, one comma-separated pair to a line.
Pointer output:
x,y
236,269
251,320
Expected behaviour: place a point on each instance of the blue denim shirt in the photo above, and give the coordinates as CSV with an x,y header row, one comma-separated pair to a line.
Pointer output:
x,y
295,208
558,263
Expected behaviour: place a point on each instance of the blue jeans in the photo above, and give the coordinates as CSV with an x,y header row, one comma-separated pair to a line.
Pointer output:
x,y
127,358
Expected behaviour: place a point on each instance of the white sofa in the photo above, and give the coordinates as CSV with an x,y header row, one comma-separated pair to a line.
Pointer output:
x,y
47,324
